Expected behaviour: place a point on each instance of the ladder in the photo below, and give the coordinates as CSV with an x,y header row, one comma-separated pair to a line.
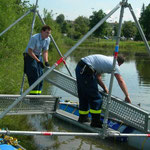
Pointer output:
x,y
31,104
130,114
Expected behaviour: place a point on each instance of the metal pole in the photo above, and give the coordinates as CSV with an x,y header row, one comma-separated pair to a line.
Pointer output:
x,y
17,100
139,28
45,133
32,27
15,22
33,21
128,135
22,84
69,103
55,44
112,74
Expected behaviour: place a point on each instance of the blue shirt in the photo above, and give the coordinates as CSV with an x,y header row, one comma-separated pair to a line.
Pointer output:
x,y
37,44
101,63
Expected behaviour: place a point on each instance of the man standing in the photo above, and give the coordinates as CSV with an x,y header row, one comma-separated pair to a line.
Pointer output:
x,y
88,73
33,61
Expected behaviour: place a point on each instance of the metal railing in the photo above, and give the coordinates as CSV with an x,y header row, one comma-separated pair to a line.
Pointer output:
x,y
31,104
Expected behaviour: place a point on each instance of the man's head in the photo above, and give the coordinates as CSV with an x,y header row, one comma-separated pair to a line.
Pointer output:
x,y
120,60
45,31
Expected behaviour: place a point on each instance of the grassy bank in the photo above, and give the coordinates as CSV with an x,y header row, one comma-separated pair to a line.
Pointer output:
x,y
109,45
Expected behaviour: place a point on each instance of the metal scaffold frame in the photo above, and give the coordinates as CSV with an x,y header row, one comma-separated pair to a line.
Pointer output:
x,y
123,4
44,133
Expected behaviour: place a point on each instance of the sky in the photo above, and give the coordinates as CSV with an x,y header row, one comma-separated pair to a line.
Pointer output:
x,y
74,8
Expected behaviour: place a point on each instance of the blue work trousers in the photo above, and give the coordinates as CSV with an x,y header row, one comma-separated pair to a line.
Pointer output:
x,y
33,71
88,93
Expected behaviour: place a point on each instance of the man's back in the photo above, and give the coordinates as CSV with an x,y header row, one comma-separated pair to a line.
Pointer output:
x,y
101,63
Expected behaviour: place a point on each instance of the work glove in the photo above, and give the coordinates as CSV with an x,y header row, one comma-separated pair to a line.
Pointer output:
x,y
47,64
41,64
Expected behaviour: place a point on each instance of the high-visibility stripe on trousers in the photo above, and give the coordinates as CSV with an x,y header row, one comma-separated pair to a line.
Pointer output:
x,y
33,71
90,100
35,92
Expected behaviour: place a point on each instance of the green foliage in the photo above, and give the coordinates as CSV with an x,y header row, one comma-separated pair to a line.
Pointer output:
x,y
81,25
60,19
71,29
128,47
65,27
15,40
145,21
94,19
62,23
129,29
12,45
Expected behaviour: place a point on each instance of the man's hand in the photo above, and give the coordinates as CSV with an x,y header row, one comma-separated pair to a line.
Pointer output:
x,y
123,86
47,64
41,64
106,90
127,99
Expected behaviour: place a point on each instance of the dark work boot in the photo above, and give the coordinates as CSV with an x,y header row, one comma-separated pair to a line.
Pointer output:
x,y
96,122
83,118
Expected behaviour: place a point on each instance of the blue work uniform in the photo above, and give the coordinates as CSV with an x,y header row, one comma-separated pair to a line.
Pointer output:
x,y
32,68
90,100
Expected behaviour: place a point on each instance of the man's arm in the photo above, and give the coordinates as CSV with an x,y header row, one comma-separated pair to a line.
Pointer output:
x,y
45,55
123,86
100,82
30,52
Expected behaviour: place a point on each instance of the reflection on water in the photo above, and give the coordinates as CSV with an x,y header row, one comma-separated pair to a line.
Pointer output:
x,y
41,123
142,65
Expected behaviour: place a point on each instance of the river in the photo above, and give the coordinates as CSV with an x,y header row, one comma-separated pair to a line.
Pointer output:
x,y
136,73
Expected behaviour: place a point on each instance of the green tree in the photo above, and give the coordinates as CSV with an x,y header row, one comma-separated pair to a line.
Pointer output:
x,y
145,21
142,10
65,27
60,19
94,19
129,29
81,25
71,29
10,11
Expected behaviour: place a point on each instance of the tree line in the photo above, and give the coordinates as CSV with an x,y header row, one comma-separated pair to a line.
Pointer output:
x,y
81,25
10,10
